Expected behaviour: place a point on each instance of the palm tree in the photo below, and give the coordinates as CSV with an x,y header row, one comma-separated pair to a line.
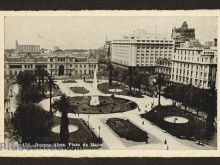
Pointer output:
x,y
110,68
63,106
51,84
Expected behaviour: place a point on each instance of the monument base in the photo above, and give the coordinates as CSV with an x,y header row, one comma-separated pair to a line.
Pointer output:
x,y
94,101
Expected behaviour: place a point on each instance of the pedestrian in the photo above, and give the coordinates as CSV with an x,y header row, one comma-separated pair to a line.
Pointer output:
x,y
143,122
165,142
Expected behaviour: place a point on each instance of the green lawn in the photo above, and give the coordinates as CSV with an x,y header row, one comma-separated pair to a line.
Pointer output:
x,y
107,105
80,90
104,87
193,129
126,129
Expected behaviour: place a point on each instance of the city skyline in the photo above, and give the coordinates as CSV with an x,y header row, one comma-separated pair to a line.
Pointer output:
x,y
91,32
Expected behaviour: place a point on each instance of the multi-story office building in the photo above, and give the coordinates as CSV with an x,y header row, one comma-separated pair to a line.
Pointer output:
x,y
197,66
57,63
182,34
141,49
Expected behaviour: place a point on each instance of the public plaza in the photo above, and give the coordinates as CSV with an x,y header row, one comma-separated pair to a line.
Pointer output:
x,y
144,91
97,122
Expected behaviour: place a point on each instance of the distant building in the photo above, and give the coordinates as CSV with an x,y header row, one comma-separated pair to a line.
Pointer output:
x,y
57,63
141,49
22,49
182,34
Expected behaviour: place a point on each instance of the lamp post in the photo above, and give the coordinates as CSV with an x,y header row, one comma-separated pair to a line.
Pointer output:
x,y
88,119
99,131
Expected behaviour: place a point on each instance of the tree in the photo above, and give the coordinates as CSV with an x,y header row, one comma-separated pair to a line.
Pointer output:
x,y
116,74
124,76
25,78
178,92
169,91
110,69
138,80
160,81
30,122
210,105
29,94
63,106
187,92
41,73
50,84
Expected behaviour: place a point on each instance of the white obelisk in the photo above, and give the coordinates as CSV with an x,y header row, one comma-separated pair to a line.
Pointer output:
x,y
95,99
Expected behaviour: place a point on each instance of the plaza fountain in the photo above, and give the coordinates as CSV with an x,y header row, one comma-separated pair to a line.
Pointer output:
x,y
94,101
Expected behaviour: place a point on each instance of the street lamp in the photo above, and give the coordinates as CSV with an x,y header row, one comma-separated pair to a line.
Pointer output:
x,y
99,132
88,119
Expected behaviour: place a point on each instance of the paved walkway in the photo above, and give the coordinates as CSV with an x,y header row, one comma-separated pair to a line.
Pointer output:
x,y
110,138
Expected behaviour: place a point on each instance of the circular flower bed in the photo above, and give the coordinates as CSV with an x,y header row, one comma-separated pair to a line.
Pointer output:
x,y
72,128
176,119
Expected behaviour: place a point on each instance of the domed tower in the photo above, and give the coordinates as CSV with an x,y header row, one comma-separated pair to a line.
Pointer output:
x,y
184,25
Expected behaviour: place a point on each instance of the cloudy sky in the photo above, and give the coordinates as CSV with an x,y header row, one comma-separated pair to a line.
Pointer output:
x,y
90,32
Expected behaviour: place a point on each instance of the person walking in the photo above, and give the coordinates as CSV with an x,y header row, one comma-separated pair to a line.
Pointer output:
x,y
165,142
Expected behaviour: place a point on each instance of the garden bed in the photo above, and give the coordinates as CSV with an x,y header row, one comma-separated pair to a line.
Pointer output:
x,y
80,90
84,135
69,81
105,88
126,129
107,105
193,129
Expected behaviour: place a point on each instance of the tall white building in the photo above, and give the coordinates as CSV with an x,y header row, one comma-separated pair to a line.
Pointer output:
x,y
141,49
197,66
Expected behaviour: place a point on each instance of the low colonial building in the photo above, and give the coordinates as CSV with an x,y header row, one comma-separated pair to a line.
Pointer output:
x,y
164,66
57,63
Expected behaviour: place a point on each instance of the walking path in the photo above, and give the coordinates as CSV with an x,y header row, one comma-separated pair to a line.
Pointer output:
x,y
112,140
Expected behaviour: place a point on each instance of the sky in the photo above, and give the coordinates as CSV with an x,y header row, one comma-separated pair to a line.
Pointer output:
x,y
89,32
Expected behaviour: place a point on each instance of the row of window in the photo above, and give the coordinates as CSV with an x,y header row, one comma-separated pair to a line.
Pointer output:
x,y
188,80
192,58
188,66
180,71
148,47
157,41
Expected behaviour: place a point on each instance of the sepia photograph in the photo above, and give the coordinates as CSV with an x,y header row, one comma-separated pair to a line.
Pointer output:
x,y
110,82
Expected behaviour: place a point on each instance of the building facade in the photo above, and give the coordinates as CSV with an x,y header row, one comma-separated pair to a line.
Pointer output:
x,y
164,66
58,63
197,66
141,49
